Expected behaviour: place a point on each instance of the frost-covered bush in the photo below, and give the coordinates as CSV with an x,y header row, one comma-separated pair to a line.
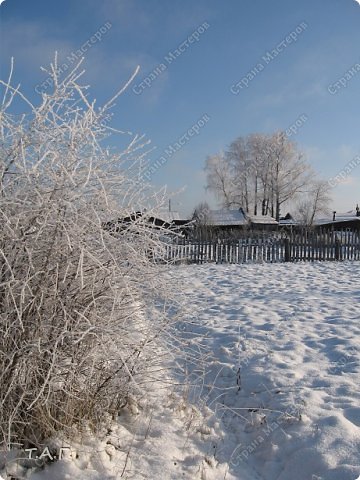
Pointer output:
x,y
76,336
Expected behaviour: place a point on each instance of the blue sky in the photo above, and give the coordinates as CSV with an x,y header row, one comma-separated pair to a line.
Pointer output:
x,y
236,37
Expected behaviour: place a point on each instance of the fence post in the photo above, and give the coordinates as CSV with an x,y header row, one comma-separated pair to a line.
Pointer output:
x,y
287,250
337,248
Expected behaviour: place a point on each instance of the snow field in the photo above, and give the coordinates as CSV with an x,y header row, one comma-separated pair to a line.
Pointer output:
x,y
284,366
273,368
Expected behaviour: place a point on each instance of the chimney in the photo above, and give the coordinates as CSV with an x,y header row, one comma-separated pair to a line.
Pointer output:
x,y
334,216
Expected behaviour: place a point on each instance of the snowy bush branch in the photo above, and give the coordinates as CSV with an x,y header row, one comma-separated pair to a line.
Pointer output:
x,y
76,332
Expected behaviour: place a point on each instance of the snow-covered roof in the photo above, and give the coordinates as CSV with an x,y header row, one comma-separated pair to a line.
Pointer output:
x,y
338,219
289,221
238,217
350,213
227,217
341,217
168,216
263,219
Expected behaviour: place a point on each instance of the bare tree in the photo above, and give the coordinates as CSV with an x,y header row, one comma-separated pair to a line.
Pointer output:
x,y
317,201
201,219
258,173
290,174
219,178
239,162
201,213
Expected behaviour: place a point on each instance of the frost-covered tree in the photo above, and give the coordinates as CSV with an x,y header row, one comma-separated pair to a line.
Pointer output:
x,y
79,273
219,179
290,174
201,220
316,202
201,213
259,173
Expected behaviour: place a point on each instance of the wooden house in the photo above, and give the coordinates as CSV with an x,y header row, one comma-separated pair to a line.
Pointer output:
x,y
222,224
170,221
349,220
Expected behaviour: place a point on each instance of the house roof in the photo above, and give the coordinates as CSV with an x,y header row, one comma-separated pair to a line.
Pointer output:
x,y
339,218
168,216
263,219
227,217
238,217
288,221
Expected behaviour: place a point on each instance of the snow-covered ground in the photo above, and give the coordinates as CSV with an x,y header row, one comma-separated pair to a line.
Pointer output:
x,y
276,392
289,336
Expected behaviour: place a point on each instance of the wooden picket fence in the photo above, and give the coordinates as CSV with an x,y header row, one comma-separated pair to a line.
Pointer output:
x,y
271,247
